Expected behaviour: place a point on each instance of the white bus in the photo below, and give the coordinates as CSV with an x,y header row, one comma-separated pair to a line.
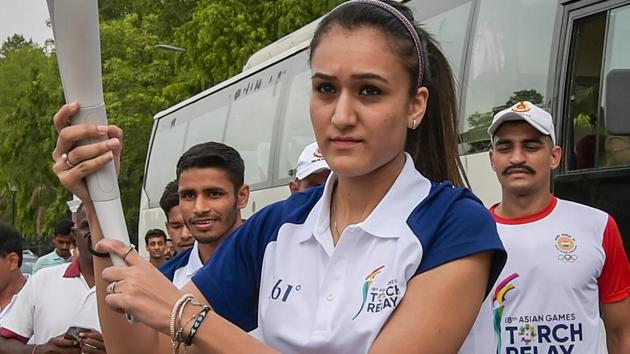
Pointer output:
x,y
556,53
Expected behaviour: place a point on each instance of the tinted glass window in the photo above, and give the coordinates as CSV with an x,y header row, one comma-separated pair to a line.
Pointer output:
x,y
297,131
208,120
617,148
583,114
509,62
449,28
167,147
198,122
251,122
601,45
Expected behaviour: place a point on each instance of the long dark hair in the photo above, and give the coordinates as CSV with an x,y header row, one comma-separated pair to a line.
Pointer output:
x,y
433,145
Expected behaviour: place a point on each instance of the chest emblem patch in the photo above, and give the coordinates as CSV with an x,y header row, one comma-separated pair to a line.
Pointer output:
x,y
376,299
567,245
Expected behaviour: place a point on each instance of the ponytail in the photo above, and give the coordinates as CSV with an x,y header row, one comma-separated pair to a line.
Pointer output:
x,y
433,145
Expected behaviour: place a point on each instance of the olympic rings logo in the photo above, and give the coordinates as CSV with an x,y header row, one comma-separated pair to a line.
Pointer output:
x,y
567,258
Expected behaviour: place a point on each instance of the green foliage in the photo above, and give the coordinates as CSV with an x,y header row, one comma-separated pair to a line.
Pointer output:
x,y
222,35
29,95
139,80
14,43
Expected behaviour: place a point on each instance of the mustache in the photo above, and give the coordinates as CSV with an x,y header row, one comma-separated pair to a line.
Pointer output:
x,y
519,167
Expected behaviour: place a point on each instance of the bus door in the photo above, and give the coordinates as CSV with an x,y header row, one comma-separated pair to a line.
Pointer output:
x,y
596,161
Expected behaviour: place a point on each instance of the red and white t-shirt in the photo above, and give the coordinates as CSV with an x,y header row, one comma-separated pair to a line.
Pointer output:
x,y
51,301
562,263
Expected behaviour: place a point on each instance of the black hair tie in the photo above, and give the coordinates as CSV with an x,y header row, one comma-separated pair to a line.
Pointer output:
x,y
93,251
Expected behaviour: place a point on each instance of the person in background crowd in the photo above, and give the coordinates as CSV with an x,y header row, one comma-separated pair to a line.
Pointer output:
x,y
212,193
175,225
311,171
169,249
63,242
155,242
52,301
566,260
11,278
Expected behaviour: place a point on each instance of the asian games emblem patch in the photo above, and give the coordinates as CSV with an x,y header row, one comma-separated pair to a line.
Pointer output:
x,y
566,245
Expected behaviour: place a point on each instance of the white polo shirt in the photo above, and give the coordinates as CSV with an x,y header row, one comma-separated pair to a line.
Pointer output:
x,y
563,262
181,268
52,300
281,273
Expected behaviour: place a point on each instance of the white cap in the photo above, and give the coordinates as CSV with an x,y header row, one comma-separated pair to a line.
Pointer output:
x,y
529,112
311,161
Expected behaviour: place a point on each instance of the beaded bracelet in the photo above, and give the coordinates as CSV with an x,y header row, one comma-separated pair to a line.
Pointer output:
x,y
174,312
199,318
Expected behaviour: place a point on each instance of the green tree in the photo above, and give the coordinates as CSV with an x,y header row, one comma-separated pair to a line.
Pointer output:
x,y
139,80
13,43
221,36
29,99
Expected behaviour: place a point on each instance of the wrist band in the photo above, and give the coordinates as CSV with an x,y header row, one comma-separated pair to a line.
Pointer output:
x,y
178,322
198,319
92,250
174,311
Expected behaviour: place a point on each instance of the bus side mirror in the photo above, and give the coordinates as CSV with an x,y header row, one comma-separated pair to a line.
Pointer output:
x,y
617,102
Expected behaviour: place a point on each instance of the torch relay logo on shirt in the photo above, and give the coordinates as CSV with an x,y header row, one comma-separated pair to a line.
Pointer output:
x,y
377,299
528,333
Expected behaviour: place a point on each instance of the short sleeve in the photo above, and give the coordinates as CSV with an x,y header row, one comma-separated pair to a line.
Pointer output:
x,y
19,320
464,229
230,281
614,281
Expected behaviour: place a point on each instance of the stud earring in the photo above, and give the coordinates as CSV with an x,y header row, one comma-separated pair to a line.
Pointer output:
x,y
414,124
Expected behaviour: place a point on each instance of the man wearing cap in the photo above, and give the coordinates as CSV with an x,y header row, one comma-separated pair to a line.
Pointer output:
x,y
312,170
565,259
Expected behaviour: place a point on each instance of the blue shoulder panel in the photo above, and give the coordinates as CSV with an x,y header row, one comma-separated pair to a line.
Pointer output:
x,y
181,260
452,223
231,279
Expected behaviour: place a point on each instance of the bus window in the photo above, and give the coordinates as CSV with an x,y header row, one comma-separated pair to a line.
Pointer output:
x,y
208,122
167,146
600,46
509,62
448,25
251,122
617,56
584,116
297,131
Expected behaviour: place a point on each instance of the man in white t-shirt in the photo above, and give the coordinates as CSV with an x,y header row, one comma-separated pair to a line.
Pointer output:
x,y
565,260
53,300
311,170
11,278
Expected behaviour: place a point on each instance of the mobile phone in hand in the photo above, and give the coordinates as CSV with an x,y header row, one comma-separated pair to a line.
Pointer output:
x,y
73,333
